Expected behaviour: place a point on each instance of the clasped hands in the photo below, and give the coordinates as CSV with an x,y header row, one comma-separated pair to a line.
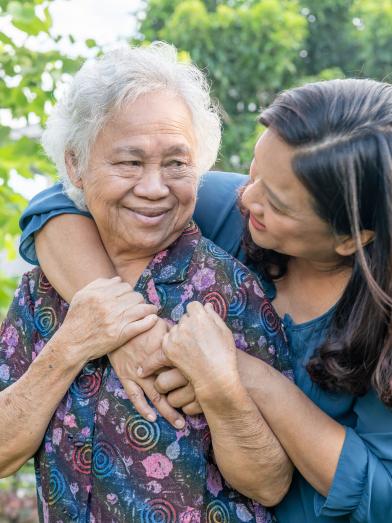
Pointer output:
x,y
177,367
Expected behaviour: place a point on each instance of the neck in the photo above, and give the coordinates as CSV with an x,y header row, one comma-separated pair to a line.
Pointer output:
x,y
310,288
315,269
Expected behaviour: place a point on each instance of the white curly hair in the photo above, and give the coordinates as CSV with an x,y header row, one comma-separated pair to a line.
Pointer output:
x,y
103,84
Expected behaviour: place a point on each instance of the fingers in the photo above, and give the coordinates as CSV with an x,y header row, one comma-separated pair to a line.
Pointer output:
x,y
133,329
137,398
169,380
161,404
192,409
154,362
181,397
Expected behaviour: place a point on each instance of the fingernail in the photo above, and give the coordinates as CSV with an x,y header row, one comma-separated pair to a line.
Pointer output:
x,y
179,423
151,417
139,371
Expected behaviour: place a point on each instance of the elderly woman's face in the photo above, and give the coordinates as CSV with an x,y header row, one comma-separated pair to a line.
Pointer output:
x,y
140,185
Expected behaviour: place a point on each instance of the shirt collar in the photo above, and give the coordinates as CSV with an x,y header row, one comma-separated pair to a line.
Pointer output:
x,y
172,264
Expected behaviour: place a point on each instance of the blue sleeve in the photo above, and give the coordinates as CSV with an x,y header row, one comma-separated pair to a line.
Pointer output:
x,y
44,206
216,213
362,486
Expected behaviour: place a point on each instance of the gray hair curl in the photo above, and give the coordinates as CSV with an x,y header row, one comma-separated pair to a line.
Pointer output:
x,y
103,84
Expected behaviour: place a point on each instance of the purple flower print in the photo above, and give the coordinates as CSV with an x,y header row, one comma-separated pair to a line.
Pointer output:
x,y
203,279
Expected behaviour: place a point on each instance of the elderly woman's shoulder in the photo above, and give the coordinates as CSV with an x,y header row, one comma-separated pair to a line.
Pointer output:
x,y
210,254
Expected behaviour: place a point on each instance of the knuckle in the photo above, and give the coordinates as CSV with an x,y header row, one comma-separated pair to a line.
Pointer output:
x,y
155,397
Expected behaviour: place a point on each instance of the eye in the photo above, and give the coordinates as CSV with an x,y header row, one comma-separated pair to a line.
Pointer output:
x,y
176,163
274,208
131,163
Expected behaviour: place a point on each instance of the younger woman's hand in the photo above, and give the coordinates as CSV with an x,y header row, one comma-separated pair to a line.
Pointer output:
x,y
180,393
202,347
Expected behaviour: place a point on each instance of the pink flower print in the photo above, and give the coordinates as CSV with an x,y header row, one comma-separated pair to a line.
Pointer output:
x,y
103,406
191,515
157,466
214,480
56,438
203,279
152,293
48,447
154,486
85,431
69,420
11,336
112,498
4,372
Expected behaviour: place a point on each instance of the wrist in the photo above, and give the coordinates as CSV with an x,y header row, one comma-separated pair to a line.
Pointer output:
x,y
222,392
65,355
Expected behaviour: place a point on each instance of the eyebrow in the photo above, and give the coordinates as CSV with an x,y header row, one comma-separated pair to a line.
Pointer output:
x,y
137,151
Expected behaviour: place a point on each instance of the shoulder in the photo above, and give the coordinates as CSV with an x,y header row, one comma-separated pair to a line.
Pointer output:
x,y
217,213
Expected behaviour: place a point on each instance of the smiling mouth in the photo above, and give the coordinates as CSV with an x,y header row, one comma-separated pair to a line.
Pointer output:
x,y
256,224
149,216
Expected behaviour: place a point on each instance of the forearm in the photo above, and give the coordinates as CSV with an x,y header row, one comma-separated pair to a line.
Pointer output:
x,y
71,254
312,439
27,406
246,451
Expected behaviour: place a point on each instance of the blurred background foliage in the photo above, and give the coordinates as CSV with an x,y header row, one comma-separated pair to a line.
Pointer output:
x,y
250,49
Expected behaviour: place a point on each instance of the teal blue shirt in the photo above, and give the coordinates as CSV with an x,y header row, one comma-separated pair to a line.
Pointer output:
x,y
362,487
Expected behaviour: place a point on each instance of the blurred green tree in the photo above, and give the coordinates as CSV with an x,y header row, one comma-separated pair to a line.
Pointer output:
x,y
27,88
248,48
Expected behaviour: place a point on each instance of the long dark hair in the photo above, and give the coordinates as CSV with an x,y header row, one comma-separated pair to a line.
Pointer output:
x,y
342,133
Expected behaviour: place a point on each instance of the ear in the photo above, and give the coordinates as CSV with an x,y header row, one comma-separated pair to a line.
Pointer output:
x,y
71,164
347,245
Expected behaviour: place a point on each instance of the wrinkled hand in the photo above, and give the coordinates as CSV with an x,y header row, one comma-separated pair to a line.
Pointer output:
x,y
126,361
103,316
202,348
180,393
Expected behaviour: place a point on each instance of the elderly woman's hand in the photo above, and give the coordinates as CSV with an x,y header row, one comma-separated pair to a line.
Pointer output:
x,y
202,347
126,361
103,316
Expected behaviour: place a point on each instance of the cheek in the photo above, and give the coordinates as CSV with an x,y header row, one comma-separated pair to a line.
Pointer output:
x,y
185,194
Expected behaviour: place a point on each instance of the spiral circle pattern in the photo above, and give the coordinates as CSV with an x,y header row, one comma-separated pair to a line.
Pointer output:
x,y
238,303
45,320
217,252
217,512
159,511
43,284
81,458
239,276
87,384
141,434
269,318
104,457
218,302
56,486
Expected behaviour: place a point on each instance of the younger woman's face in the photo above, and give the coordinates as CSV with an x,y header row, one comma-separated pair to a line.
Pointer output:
x,y
282,217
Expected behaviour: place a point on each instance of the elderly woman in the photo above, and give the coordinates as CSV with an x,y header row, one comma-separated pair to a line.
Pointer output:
x,y
130,140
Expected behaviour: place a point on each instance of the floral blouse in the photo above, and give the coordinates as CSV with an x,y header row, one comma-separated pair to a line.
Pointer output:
x,y
100,461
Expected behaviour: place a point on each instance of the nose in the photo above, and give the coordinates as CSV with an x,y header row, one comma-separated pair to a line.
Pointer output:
x,y
253,199
151,185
